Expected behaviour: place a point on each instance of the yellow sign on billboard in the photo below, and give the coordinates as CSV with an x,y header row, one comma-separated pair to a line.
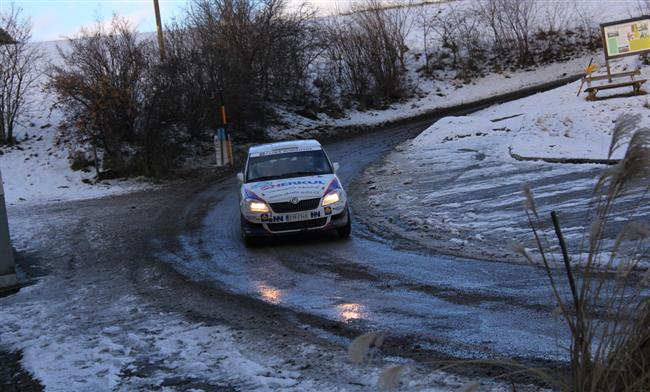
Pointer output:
x,y
626,37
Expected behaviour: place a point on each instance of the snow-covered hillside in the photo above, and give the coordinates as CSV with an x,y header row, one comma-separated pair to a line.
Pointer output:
x,y
443,89
38,168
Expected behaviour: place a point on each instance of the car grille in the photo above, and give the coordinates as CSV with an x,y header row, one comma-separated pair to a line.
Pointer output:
x,y
302,205
307,224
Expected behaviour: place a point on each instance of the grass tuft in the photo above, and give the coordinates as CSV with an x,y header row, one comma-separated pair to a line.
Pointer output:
x,y
360,348
389,378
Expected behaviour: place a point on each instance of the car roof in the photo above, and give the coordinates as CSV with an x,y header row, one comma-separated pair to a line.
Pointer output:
x,y
279,147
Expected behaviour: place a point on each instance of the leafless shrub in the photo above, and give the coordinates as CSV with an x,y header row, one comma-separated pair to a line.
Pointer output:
x,y
490,12
426,21
611,353
249,53
554,17
366,51
459,34
511,22
140,112
18,70
113,95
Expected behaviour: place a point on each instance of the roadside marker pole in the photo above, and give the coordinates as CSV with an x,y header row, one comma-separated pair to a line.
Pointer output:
x,y
222,137
7,269
226,134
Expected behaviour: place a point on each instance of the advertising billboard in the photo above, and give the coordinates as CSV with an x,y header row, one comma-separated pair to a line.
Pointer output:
x,y
626,37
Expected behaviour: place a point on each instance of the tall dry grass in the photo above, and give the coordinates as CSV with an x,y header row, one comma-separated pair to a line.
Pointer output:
x,y
603,296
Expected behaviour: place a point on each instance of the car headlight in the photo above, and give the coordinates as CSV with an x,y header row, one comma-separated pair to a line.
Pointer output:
x,y
331,198
256,206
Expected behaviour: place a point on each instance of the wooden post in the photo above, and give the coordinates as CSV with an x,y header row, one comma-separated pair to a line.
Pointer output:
x,y
604,39
8,279
586,77
161,42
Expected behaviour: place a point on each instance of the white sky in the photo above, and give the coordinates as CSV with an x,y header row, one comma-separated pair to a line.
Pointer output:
x,y
57,19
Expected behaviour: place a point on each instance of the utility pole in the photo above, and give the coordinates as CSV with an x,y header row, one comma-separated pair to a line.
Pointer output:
x,y
161,42
8,279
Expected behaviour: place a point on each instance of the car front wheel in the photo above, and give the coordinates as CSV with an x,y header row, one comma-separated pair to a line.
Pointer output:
x,y
248,240
344,232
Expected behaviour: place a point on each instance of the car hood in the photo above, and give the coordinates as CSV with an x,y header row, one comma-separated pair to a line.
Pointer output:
x,y
284,190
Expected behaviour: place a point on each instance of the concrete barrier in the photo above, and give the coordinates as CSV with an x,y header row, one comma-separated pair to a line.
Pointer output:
x,y
7,269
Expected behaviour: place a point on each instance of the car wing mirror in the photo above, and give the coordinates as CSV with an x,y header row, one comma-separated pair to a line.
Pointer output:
x,y
336,166
240,177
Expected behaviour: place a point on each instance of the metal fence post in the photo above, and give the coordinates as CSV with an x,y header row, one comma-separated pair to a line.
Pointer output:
x,y
7,269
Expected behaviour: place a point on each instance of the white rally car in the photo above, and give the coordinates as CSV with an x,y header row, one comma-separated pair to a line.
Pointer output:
x,y
291,187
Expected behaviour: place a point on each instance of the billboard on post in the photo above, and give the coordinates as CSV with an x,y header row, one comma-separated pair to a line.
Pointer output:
x,y
626,37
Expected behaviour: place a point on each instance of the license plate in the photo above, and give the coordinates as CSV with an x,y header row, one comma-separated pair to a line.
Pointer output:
x,y
297,217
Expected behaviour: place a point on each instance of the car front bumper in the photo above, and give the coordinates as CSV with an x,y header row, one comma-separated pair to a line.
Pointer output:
x,y
331,222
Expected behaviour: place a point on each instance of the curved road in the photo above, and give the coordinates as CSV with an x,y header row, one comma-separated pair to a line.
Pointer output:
x,y
431,303
177,251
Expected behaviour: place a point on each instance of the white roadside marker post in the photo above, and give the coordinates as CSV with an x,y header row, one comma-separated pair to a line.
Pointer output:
x,y
7,269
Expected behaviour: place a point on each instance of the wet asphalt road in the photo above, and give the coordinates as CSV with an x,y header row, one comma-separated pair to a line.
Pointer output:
x,y
178,249
454,307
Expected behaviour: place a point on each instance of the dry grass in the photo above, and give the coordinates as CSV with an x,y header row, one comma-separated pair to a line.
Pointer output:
x,y
610,352
362,346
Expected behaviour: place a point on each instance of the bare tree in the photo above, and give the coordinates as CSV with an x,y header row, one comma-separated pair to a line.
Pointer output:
x,y
18,70
104,84
459,32
521,17
426,21
513,22
554,16
251,53
490,12
447,31
367,49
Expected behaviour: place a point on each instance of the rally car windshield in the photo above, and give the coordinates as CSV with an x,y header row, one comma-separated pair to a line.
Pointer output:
x,y
287,165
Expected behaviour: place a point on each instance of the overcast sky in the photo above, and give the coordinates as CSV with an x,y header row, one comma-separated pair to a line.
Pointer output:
x,y
57,19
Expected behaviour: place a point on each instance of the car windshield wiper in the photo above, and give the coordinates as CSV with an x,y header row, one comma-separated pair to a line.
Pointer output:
x,y
266,178
304,173
287,175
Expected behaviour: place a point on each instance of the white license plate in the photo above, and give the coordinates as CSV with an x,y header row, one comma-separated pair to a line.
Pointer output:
x,y
297,217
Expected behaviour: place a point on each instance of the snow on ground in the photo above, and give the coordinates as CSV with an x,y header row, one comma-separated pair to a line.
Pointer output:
x,y
554,124
459,189
37,170
126,345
